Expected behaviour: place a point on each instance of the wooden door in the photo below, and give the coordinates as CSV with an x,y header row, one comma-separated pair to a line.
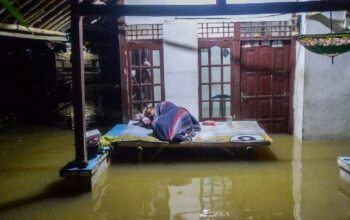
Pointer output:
x,y
265,84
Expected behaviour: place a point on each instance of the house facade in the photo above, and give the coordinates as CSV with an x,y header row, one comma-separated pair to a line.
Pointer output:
x,y
247,67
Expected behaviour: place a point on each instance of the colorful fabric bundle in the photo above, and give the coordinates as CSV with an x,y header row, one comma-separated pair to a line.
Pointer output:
x,y
173,123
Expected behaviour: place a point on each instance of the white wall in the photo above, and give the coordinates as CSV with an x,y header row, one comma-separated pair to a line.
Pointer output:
x,y
326,103
180,45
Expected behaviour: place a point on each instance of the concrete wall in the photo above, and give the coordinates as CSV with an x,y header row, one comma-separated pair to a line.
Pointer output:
x,y
180,45
326,104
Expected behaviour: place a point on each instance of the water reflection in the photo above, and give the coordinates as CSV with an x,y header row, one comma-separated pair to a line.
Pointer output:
x,y
230,191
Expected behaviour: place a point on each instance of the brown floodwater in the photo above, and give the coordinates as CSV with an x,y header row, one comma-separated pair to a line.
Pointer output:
x,y
288,180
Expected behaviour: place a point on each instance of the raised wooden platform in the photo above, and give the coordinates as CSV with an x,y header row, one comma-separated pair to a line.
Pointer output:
x,y
220,137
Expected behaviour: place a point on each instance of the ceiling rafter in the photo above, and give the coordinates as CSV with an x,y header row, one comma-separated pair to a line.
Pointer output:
x,y
56,15
33,7
41,16
20,8
58,24
38,12
54,23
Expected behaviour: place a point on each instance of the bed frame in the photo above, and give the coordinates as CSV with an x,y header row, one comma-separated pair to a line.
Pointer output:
x,y
228,147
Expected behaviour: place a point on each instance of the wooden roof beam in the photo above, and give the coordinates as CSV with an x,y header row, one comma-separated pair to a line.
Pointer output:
x,y
4,9
64,26
59,24
13,30
20,28
21,6
31,36
46,12
58,15
37,13
210,10
32,8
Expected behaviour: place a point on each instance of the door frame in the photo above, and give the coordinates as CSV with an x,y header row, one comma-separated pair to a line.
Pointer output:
x,y
207,43
287,85
236,70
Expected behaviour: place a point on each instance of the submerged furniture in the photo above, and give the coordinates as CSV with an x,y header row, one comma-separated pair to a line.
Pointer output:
x,y
344,175
225,136
84,178
344,163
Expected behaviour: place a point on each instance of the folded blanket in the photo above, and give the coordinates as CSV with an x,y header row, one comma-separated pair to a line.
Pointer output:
x,y
173,123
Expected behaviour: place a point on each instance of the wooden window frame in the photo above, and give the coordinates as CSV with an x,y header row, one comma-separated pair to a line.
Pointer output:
x,y
138,45
207,44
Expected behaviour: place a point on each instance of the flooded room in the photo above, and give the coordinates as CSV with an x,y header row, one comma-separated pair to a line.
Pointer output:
x,y
175,109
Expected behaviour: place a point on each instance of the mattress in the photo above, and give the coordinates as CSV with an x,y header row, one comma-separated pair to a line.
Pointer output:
x,y
236,133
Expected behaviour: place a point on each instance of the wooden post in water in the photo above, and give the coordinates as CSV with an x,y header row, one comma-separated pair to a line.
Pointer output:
x,y
78,86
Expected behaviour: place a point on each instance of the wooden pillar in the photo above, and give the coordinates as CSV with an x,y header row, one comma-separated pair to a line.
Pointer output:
x,y
236,89
78,87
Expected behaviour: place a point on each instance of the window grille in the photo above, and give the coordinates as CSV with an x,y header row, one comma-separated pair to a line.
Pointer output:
x,y
268,28
215,30
144,32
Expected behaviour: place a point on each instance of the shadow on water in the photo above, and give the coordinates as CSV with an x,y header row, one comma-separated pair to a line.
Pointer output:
x,y
191,155
57,189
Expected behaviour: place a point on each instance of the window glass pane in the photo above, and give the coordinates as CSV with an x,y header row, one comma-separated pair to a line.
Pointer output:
x,y
205,109
136,109
277,43
227,108
246,44
215,55
226,56
227,91
205,92
157,93
145,75
146,93
136,93
156,57
156,76
145,57
204,56
205,75
135,76
265,43
216,91
216,74
216,110
227,73
146,105
134,57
